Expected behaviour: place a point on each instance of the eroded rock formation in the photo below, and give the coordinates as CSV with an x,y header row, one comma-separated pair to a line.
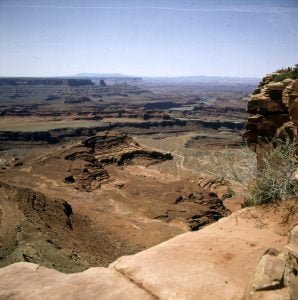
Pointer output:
x,y
45,230
102,83
87,169
273,110
86,203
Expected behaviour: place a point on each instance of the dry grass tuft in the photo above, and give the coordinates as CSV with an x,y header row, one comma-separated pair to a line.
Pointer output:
x,y
274,180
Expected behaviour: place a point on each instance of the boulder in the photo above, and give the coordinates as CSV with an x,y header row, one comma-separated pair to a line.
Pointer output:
x,y
269,273
276,276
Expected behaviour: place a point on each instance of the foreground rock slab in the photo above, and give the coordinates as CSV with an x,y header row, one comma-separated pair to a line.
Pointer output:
x,y
216,262
29,281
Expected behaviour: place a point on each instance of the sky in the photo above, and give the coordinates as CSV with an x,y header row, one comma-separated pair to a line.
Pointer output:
x,y
147,38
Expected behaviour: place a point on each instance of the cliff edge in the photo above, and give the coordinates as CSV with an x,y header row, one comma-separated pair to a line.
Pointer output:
x,y
273,109
216,262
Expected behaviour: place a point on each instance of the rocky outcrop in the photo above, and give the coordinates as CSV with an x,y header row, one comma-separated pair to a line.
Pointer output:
x,y
115,147
102,83
276,276
48,231
87,171
109,140
273,109
198,208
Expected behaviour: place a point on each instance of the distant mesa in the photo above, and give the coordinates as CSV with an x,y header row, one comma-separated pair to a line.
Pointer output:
x,y
105,75
109,78
78,82
45,81
102,83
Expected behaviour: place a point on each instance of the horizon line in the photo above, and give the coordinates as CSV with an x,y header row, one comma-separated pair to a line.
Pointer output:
x,y
127,76
235,9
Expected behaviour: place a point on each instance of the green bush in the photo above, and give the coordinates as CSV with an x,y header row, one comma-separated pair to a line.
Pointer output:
x,y
274,181
287,73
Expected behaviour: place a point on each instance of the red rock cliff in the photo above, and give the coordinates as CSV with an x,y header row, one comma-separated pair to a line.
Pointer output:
x,y
273,109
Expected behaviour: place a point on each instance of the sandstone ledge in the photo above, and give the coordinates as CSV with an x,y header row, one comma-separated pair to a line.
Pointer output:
x,y
213,263
29,281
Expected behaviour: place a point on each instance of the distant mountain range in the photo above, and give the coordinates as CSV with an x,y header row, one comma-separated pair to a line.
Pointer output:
x,y
178,79
153,79
203,79
104,75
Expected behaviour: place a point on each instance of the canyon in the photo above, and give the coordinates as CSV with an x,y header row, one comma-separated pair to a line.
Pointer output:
x,y
116,188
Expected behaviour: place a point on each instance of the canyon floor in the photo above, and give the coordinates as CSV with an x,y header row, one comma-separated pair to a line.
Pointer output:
x,y
67,212
90,173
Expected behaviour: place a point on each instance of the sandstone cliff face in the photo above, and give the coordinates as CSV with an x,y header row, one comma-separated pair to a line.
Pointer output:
x,y
273,110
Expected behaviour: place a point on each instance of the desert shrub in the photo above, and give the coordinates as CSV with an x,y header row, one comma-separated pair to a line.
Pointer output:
x,y
237,164
287,73
274,180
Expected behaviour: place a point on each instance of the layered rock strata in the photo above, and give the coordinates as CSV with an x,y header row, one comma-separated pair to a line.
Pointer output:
x,y
87,169
273,109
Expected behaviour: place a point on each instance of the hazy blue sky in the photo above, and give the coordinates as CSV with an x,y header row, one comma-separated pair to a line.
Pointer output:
x,y
164,38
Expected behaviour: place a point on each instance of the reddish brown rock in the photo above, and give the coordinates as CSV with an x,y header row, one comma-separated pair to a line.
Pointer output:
x,y
276,274
30,281
273,107
273,110
197,265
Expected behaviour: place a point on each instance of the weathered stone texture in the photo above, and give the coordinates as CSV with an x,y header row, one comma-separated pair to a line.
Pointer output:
x,y
273,110
276,276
